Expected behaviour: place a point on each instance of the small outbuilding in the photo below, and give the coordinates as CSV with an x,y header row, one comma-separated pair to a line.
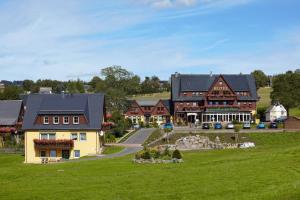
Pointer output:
x,y
276,112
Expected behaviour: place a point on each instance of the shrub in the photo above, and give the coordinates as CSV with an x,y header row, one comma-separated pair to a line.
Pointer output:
x,y
146,155
167,152
155,153
237,128
176,154
138,155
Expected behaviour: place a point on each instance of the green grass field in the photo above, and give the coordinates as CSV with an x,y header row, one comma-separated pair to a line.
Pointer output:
x,y
112,149
265,100
270,171
161,95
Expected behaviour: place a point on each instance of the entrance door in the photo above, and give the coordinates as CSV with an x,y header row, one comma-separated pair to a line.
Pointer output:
x,y
191,118
65,154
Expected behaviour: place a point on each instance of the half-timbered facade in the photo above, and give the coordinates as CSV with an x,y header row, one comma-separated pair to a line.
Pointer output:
x,y
213,98
149,111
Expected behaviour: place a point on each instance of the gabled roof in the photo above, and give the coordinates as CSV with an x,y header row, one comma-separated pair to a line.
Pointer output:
x,y
90,105
202,83
9,112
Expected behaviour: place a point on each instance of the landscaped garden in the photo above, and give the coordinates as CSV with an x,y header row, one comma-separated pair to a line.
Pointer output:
x,y
269,171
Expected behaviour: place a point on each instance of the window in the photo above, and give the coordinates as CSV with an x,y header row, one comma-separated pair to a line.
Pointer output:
x,y
42,154
47,136
66,120
74,136
76,120
194,104
51,136
76,153
52,153
56,120
82,136
44,136
46,120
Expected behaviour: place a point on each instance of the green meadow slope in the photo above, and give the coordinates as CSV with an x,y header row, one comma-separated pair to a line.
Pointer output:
x,y
270,171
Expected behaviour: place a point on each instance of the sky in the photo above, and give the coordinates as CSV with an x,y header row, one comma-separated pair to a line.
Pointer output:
x,y
70,39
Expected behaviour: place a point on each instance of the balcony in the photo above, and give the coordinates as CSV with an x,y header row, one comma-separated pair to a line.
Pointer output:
x,y
53,144
221,97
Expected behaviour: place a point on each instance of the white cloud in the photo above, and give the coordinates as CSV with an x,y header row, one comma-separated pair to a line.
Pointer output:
x,y
161,4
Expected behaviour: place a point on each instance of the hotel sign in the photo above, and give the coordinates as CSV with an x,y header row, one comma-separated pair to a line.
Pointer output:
x,y
220,88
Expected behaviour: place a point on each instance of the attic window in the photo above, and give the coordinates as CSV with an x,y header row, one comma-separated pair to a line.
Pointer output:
x,y
220,83
76,120
66,120
46,120
56,120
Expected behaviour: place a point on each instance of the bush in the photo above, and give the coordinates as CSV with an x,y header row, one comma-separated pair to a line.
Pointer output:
x,y
167,152
237,128
176,154
146,155
110,138
155,153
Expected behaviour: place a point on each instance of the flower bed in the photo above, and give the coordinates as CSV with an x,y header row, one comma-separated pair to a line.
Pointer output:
x,y
155,155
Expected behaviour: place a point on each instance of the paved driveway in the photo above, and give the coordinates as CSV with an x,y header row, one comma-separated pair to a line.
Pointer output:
x,y
133,144
140,136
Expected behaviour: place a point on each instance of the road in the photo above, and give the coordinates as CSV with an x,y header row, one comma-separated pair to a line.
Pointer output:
x,y
140,136
133,144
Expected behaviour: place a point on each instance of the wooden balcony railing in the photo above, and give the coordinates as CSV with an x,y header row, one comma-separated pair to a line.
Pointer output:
x,y
55,144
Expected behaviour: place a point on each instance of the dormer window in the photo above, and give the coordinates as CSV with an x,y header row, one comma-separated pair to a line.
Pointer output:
x,y
56,120
76,120
46,120
66,120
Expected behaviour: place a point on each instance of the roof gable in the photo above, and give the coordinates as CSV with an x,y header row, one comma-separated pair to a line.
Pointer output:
x,y
89,105
10,111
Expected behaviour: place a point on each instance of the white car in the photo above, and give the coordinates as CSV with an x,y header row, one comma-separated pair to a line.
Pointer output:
x,y
230,126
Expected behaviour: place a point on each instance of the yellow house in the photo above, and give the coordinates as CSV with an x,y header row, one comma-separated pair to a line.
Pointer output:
x,y
61,127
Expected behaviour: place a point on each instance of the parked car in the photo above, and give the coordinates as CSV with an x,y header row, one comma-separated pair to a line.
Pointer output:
x,y
261,125
136,126
205,126
273,125
230,126
168,126
218,125
246,125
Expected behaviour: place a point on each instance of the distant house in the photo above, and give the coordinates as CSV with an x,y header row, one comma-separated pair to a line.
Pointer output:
x,y
45,90
11,117
63,126
276,112
149,111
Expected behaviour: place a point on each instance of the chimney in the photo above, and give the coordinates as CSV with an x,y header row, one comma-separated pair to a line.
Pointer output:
x,y
211,74
176,74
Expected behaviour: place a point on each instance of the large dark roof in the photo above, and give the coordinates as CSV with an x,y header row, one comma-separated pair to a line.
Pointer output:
x,y
90,105
9,112
202,83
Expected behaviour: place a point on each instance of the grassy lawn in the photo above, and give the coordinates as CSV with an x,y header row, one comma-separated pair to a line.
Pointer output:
x,y
154,136
270,171
295,112
265,100
161,95
112,149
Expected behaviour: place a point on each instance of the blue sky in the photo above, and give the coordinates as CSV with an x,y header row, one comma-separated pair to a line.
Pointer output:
x,y
75,39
